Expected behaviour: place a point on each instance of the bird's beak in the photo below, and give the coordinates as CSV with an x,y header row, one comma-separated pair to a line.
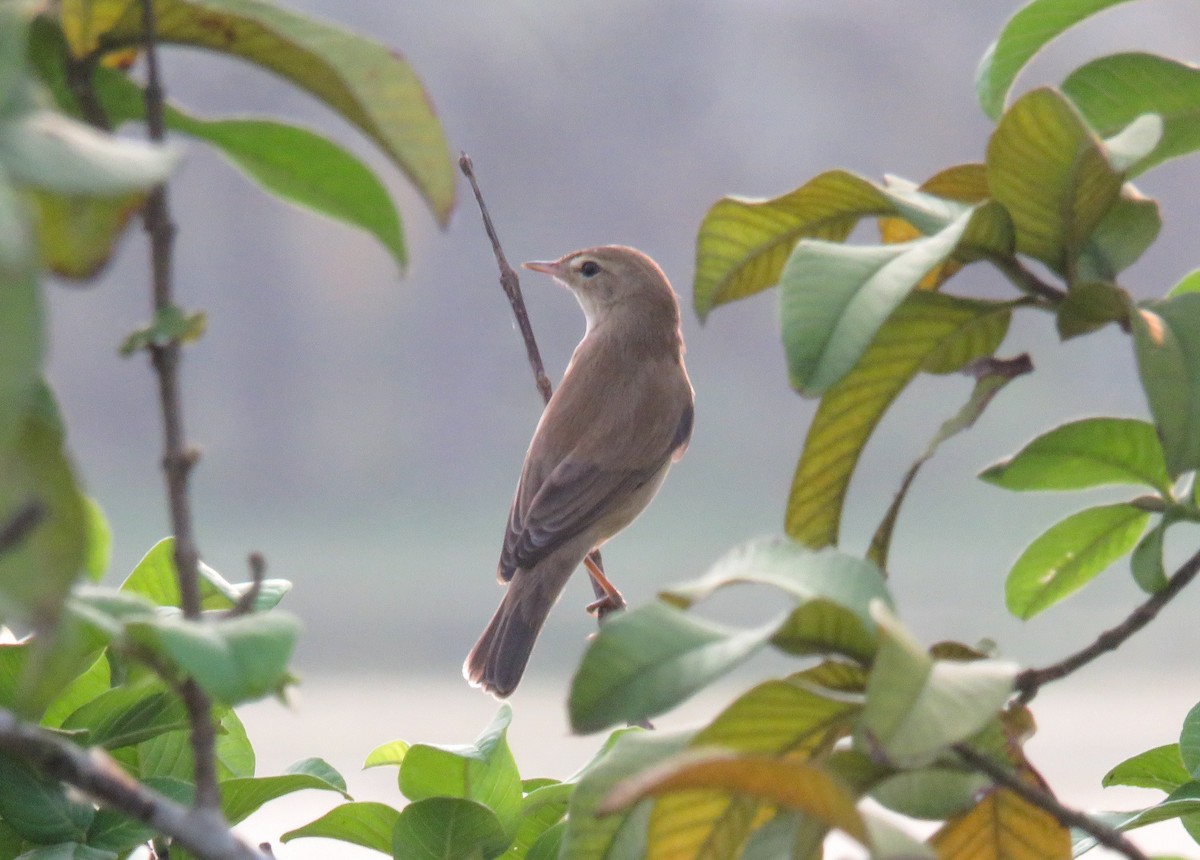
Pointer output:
x,y
548,267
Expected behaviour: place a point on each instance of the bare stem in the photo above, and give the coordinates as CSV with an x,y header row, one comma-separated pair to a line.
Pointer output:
x,y
178,459
1105,835
96,774
1031,680
511,284
1026,281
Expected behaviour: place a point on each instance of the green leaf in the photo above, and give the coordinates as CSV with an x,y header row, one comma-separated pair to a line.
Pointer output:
x,y
438,828
129,714
171,325
116,832
1146,563
743,244
391,753
917,706
1119,240
45,150
933,793
366,82
991,375
1189,284
484,771
242,796
82,689
1023,36
802,573
22,343
1090,452
39,808
156,578
620,836
549,845
929,331
1166,337
36,575
823,627
1070,554
321,769
1161,768
1112,91
359,823
834,298
290,162
1189,741
68,851
234,660
99,541
541,810
1090,305
650,659
169,756
78,234
1053,175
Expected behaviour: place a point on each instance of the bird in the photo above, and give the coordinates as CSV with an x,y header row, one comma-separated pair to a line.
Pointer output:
x,y
621,416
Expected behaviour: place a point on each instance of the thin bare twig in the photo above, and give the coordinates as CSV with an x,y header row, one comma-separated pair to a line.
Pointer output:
x,y
1031,680
245,603
96,774
20,524
511,284
1105,835
178,459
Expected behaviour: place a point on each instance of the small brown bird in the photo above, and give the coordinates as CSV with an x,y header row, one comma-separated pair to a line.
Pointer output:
x,y
621,416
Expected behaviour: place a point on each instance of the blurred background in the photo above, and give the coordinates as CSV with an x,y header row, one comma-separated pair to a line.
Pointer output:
x,y
364,429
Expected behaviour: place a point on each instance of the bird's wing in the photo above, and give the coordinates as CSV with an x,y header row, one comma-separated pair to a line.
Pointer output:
x,y
578,492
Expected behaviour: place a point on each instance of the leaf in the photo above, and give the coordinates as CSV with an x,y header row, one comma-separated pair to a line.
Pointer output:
x,y
542,810
288,161
171,325
650,659
1090,305
833,299
129,714
76,234
789,784
234,660
45,150
484,771
932,793
917,706
549,845
82,689
22,344
620,836
38,808
99,541
991,375
438,828
1070,554
1053,175
1022,37
802,573
36,575
1112,91
1166,336
1119,240
1146,563
68,851
391,753
1189,741
929,331
1161,768
1002,826
242,796
369,84
156,578
1090,452
1189,284
742,244
359,823
824,627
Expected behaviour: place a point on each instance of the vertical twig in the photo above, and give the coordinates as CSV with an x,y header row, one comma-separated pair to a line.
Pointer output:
x,y
511,284
178,460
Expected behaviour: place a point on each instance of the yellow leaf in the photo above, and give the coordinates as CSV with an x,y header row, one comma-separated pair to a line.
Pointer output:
x,y
1003,826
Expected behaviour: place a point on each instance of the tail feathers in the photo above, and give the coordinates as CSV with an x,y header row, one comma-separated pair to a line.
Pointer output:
x,y
498,660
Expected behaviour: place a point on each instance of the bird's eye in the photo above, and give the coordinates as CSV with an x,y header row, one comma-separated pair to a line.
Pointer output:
x,y
589,268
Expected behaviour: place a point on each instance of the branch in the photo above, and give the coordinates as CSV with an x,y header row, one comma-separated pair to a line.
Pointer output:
x,y
511,284
1027,281
96,774
1105,835
1031,680
245,603
178,459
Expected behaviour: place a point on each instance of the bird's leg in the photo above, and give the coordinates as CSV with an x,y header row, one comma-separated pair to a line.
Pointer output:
x,y
608,598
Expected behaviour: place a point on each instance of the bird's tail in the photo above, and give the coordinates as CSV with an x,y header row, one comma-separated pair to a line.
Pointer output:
x,y
498,659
